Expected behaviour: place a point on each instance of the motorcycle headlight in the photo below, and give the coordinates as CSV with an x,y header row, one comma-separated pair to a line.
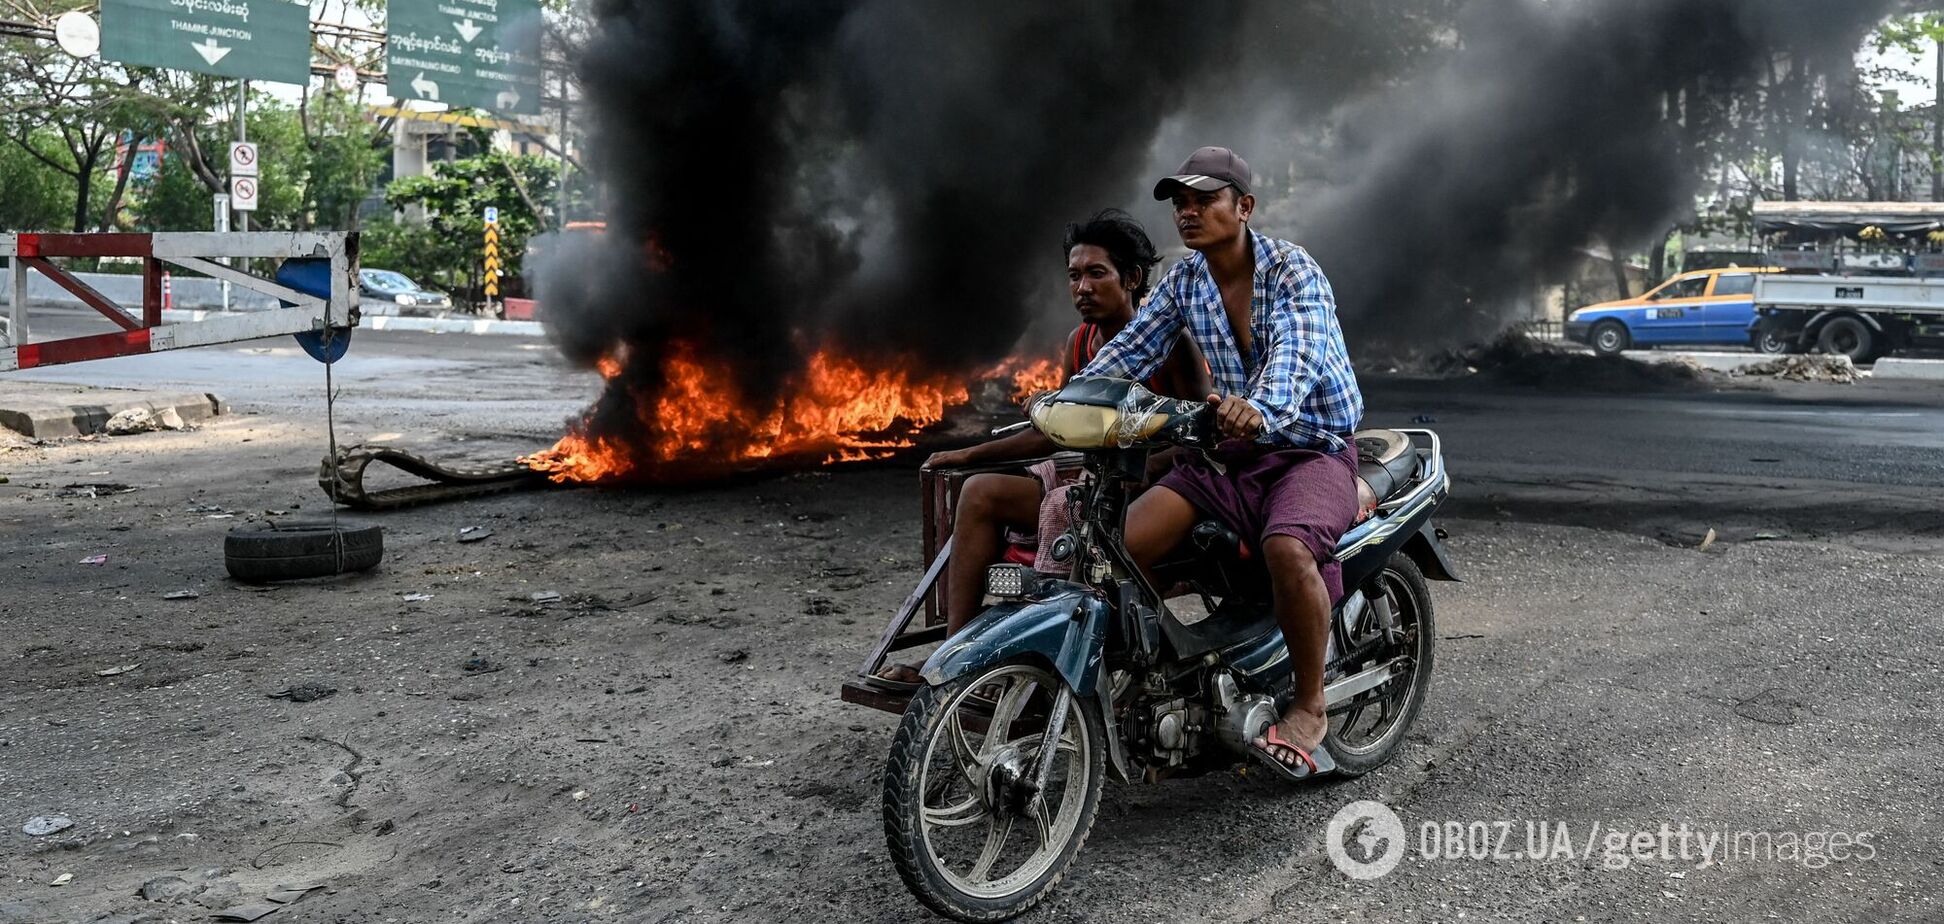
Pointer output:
x,y
1076,426
1010,581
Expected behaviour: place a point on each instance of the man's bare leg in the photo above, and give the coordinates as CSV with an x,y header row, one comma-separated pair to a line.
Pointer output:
x,y
987,504
1302,604
1157,522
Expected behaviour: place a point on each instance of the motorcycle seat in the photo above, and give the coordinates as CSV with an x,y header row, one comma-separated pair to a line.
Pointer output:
x,y
1387,462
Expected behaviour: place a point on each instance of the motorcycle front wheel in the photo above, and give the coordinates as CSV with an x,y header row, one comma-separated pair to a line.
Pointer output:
x,y
971,832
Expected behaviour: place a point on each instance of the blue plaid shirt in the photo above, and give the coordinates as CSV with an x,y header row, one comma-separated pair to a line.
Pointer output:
x,y
1301,381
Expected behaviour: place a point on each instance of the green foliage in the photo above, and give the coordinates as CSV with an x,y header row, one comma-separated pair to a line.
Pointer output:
x,y
283,165
32,194
304,184
1910,33
410,248
175,200
343,161
455,196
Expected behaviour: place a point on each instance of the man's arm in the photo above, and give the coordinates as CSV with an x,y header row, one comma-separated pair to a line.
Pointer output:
x,y
1024,444
1299,309
1144,342
1185,374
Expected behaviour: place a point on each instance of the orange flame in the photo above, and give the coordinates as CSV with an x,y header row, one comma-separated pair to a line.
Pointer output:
x,y
1029,377
837,410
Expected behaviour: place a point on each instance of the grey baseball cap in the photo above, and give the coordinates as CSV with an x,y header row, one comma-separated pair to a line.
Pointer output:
x,y
1207,170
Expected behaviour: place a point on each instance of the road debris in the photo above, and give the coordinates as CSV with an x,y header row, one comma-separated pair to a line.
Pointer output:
x,y
288,893
166,888
416,598
143,420
62,879
43,825
181,595
732,655
473,533
96,489
95,560
116,671
544,597
1832,367
1707,540
249,911
479,665
305,693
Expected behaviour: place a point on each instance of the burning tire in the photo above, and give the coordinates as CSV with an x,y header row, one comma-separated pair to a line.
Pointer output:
x,y
263,552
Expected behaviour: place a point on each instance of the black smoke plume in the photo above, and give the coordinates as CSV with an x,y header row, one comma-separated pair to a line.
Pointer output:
x,y
888,177
1557,126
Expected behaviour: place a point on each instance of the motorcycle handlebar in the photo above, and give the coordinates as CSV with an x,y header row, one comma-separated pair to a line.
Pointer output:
x,y
1196,424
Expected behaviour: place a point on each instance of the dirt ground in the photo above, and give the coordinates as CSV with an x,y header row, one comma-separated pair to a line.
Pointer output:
x,y
665,743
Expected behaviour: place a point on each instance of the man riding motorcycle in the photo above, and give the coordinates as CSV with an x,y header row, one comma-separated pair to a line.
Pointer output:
x,y
1264,318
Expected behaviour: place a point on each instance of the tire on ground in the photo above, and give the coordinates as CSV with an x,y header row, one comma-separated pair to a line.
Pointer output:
x,y
1849,336
263,552
1609,338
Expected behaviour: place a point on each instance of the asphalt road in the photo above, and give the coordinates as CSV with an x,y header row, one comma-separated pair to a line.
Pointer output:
x,y
665,744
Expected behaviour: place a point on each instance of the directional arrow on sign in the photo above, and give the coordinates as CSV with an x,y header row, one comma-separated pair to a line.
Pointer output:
x,y
210,51
468,29
508,99
425,88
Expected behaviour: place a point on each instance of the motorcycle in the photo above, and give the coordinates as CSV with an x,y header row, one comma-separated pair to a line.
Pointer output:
x,y
996,770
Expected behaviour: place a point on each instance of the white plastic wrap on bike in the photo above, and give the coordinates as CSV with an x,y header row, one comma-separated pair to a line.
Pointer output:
x,y
1137,415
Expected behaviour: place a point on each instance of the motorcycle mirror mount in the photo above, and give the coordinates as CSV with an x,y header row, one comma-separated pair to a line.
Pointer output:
x,y
1011,428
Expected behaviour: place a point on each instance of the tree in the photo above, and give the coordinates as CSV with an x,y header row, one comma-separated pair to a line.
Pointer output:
x,y
54,113
346,153
32,196
455,197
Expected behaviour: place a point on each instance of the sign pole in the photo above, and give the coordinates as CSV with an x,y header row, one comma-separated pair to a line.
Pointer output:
x,y
220,224
242,104
492,257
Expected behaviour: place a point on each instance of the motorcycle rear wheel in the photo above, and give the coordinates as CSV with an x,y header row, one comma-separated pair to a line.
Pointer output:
x,y
930,795
1364,736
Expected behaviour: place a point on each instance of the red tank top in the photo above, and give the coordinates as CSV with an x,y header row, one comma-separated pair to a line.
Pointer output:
x,y
1084,350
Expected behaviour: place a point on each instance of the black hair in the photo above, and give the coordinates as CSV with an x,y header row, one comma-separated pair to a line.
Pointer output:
x,y
1126,243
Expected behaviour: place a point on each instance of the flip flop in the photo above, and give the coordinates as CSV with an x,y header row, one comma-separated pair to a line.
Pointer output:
x,y
896,686
1318,761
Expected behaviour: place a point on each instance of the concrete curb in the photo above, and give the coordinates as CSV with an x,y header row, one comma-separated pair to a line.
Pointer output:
x,y
1891,367
45,419
388,322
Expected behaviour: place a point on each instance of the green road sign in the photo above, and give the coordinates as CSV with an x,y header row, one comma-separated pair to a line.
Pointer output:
x,y
252,39
483,54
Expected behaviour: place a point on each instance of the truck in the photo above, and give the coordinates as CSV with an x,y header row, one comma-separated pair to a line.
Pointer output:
x,y
1864,279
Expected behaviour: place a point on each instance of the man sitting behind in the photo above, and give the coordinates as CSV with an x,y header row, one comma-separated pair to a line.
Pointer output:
x,y
1110,266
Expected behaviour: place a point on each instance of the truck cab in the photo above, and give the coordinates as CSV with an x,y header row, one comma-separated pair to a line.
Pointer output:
x,y
1700,308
